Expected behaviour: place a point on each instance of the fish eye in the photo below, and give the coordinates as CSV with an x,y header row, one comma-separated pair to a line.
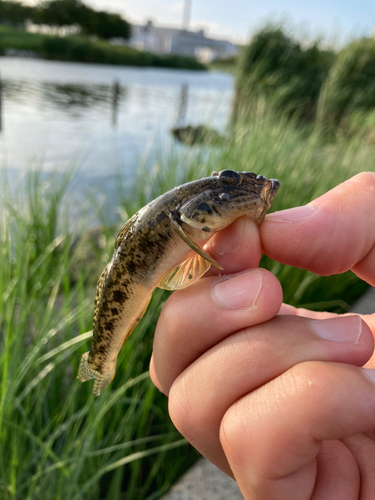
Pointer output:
x,y
229,177
205,208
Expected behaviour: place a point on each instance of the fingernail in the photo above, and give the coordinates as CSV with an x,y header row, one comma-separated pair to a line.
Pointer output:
x,y
370,374
238,292
347,329
292,214
231,239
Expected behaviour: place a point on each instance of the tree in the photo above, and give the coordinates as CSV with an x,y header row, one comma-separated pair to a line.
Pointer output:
x,y
14,12
106,25
62,12
68,12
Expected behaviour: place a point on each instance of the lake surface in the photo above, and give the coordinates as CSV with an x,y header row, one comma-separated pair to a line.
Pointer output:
x,y
56,114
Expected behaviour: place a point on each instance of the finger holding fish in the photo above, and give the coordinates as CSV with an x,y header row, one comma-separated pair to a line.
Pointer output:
x,y
235,248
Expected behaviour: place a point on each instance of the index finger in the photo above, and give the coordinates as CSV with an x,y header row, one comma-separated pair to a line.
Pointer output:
x,y
330,235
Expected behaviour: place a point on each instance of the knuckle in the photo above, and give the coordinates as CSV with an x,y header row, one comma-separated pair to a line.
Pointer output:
x,y
177,410
182,411
230,432
311,381
306,374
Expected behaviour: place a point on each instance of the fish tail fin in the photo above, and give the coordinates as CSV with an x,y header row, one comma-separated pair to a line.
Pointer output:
x,y
85,372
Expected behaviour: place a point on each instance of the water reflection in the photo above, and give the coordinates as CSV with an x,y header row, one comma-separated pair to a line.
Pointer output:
x,y
18,91
62,96
182,104
116,92
1,104
103,116
75,95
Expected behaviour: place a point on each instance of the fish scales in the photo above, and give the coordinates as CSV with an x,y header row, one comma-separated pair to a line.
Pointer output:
x,y
161,246
121,287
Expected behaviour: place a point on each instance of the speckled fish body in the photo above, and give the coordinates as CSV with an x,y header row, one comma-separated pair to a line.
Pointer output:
x,y
159,247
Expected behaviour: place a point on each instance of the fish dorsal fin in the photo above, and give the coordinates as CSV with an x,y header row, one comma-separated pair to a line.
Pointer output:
x,y
123,231
181,233
185,274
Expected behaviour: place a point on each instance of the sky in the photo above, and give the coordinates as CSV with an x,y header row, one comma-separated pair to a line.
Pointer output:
x,y
335,20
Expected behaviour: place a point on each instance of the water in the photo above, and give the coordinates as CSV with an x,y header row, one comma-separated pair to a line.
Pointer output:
x,y
57,114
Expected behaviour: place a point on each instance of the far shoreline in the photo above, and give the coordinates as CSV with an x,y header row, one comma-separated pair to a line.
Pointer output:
x,y
82,49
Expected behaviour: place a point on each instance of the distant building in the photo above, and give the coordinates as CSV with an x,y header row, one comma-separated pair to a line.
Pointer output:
x,y
46,29
182,42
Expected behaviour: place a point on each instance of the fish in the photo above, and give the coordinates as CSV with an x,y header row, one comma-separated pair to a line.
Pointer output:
x,y
161,246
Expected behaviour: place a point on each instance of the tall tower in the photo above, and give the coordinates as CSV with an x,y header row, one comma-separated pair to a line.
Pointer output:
x,y
186,17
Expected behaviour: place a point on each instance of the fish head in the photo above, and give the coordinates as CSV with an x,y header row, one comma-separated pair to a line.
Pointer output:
x,y
227,196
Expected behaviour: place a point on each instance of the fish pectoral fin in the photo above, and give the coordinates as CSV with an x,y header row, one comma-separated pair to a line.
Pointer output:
x,y
185,274
181,233
137,319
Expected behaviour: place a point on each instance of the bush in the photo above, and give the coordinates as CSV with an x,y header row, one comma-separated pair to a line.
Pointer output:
x,y
275,67
82,49
105,25
351,81
14,12
56,46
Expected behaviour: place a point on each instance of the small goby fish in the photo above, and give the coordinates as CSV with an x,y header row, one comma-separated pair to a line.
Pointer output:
x,y
160,246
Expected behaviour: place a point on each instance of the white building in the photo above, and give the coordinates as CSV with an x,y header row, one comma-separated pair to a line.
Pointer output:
x,y
182,42
46,29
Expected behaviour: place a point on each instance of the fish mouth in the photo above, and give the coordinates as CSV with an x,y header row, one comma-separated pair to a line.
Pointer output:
x,y
274,188
215,210
270,190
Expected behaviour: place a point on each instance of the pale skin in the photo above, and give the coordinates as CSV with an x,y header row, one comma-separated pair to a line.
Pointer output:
x,y
281,399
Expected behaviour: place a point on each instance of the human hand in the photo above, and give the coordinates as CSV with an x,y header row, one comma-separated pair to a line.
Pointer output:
x,y
280,402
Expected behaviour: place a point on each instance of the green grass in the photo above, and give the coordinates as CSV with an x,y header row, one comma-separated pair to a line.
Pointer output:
x,y
12,38
57,440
